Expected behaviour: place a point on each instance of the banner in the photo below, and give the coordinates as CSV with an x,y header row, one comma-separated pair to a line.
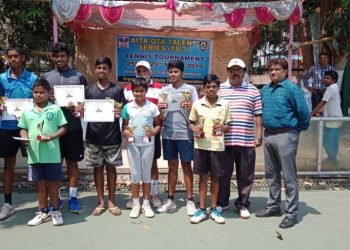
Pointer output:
x,y
158,51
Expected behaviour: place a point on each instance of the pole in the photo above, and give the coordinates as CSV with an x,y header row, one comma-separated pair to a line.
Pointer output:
x,y
54,29
290,51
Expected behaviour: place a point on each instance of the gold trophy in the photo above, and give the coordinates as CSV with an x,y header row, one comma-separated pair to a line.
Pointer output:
x,y
117,106
187,97
146,129
131,129
40,135
200,124
2,103
80,114
216,131
164,99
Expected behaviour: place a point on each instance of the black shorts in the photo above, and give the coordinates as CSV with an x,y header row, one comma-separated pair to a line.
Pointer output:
x,y
71,145
209,162
45,172
9,146
157,147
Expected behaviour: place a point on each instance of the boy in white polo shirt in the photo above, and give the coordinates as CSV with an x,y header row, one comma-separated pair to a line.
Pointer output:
x,y
208,120
330,105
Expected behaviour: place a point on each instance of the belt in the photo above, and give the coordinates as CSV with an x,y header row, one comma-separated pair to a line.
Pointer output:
x,y
277,131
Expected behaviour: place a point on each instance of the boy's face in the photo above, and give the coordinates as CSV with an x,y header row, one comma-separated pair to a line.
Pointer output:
x,y
175,75
61,60
139,93
328,80
102,71
211,89
15,59
40,94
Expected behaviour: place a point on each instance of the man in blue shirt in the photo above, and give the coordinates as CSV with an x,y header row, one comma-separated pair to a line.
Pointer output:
x,y
16,82
285,115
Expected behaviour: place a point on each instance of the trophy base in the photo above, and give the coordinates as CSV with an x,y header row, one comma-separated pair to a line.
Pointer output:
x,y
131,140
146,139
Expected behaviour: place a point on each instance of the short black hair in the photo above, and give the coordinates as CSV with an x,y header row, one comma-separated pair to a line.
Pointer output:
x,y
333,74
176,64
323,54
17,48
139,82
61,47
41,82
211,78
103,60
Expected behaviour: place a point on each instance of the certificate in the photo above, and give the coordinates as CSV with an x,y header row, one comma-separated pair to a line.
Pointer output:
x,y
99,110
15,107
65,94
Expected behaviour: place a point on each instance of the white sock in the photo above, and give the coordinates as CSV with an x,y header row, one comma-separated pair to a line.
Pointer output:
x,y
145,202
59,194
73,192
154,187
136,201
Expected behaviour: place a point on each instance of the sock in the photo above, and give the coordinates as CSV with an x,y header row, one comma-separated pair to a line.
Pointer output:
x,y
154,187
8,198
136,201
204,210
145,202
171,197
44,210
190,199
59,194
73,192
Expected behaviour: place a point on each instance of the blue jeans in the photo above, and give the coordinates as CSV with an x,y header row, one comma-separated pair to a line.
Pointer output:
x,y
331,143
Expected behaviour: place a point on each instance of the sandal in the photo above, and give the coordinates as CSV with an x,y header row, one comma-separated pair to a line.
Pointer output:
x,y
115,211
98,211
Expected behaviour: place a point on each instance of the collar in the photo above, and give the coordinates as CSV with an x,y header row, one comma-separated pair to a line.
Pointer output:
x,y
280,84
49,104
203,102
137,106
8,73
244,84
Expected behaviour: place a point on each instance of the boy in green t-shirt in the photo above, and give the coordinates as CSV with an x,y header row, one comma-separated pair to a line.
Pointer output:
x,y
42,125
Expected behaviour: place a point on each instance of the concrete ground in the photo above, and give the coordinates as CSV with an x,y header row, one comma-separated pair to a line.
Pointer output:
x,y
324,223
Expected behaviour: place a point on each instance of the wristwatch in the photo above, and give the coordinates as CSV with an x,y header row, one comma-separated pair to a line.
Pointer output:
x,y
260,138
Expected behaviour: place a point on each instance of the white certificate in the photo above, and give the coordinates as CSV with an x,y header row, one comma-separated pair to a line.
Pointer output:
x,y
15,107
65,94
99,110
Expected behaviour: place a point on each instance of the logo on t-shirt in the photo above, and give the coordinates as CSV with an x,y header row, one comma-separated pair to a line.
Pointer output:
x,y
49,116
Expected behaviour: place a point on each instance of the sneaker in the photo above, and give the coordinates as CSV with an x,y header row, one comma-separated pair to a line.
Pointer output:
x,y
129,204
147,210
199,216
216,216
244,213
222,208
74,206
60,204
168,205
155,201
135,212
6,210
56,218
39,218
191,208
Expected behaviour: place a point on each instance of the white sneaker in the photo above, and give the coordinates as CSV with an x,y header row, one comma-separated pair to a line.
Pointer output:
x,y
6,210
199,216
57,218
244,213
39,218
216,216
147,210
168,205
130,204
156,201
135,212
191,208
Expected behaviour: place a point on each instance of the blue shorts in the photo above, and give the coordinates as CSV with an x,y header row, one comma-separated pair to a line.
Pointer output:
x,y
172,149
45,172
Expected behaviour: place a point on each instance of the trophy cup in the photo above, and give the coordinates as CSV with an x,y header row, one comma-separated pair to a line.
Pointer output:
x,y
131,129
200,124
216,131
40,135
187,97
164,100
117,106
80,114
146,129
2,103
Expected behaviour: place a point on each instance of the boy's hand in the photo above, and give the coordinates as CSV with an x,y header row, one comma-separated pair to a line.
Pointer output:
x,y
161,105
187,105
117,112
71,106
128,133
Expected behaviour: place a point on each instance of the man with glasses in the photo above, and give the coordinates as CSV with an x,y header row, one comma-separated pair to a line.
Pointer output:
x,y
241,140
